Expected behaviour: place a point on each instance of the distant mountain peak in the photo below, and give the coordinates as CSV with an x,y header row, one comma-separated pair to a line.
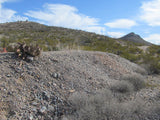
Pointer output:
x,y
133,37
133,34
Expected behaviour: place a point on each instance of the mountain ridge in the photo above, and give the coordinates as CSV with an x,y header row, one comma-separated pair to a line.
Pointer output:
x,y
50,38
37,27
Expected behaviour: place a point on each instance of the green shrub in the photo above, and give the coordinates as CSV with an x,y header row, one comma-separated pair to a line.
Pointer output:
x,y
151,63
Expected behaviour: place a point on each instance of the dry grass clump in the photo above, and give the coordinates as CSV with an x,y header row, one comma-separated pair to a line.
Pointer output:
x,y
137,80
121,90
78,99
105,104
123,87
141,70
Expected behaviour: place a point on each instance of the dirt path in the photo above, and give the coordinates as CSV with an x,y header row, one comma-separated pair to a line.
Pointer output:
x,y
144,48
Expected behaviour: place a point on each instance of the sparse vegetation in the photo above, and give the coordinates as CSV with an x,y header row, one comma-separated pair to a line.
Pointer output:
x,y
151,60
40,90
104,105
56,38
123,87
137,80
114,103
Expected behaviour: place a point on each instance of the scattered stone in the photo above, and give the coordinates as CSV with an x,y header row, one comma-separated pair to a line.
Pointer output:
x,y
34,103
8,75
31,117
56,75
50,108
64,118
30,58
45,95
43,110
34,110
71,91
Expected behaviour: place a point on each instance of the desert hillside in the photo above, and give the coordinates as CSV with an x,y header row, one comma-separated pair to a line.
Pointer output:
x,y
55,84
51,38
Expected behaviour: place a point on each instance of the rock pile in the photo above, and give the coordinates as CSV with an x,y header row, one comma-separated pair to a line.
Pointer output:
x,y
39,90
27,52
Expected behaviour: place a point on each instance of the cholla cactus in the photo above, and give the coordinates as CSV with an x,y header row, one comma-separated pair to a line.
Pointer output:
x,y
24,51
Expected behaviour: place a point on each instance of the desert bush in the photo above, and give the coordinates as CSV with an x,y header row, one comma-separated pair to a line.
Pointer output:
x,y
91,108
123,87
78,99
151,63
135,79
154,113
141,70
153,67
104,106
121,90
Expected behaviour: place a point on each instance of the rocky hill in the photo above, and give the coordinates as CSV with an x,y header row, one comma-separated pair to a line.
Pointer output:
x,y
55,38
135,38
45,88
51,38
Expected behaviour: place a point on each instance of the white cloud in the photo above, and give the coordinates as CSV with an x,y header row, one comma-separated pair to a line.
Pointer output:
x,y
153,38
116,34
8,15
66,16
150,12
2,1
121,23
96,29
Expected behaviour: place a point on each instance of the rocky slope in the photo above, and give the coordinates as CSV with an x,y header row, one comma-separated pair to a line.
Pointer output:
x,y
39,89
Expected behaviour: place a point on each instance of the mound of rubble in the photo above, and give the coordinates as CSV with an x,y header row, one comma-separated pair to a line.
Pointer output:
x,y
39,89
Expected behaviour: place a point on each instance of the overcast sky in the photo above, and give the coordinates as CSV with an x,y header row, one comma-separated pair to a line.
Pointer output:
x,y
113,18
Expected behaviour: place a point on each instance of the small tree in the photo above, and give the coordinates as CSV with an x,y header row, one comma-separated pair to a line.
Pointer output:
x,y
4,42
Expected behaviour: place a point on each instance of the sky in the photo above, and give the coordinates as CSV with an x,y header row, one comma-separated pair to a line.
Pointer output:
x,y
114,18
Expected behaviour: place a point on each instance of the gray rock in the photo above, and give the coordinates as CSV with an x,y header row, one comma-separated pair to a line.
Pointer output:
x,y
30,58
56,75
43,109
45,95
64,118
50,108
34,103
31,117
8,75
34,110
